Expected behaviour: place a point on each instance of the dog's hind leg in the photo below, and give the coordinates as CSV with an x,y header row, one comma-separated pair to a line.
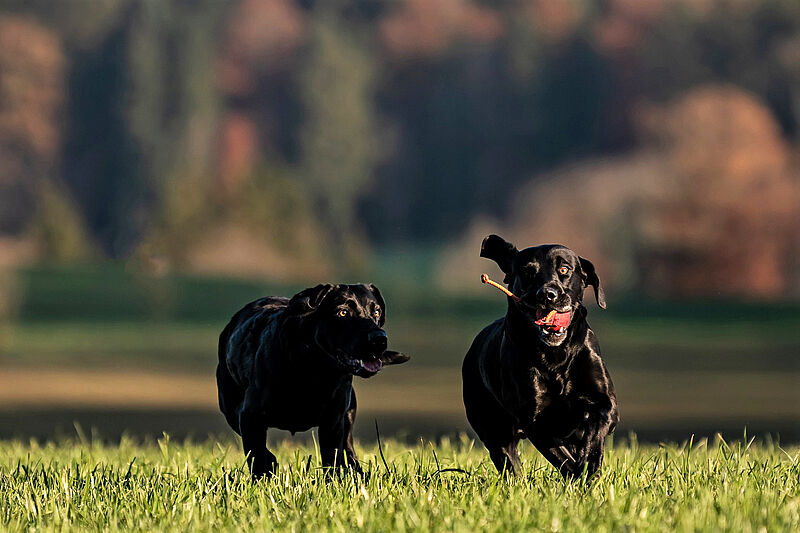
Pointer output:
x,y
254,441
230,397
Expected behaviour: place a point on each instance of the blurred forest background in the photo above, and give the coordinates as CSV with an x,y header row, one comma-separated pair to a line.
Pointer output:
x,y
162,162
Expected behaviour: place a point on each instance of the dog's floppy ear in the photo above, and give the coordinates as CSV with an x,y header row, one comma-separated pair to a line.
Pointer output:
x,y
501,252
393,358
381,302
308,300
590,278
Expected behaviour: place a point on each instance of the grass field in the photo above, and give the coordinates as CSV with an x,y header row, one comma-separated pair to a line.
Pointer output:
x,y
124,354
169,486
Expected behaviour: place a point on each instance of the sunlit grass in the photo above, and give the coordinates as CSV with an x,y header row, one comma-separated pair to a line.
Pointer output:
x,y
450,486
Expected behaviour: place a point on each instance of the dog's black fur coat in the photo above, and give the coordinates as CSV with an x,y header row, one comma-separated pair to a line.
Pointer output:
x,y
289,364
522,380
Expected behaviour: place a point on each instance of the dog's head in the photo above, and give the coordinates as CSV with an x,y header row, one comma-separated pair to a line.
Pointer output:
x,y
549,281
345,322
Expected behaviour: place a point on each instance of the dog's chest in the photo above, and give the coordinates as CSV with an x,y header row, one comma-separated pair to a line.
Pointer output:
x,y
550,382
542,392
295,416
299,407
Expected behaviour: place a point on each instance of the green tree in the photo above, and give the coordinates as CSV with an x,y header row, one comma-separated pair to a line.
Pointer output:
x,y
172,110
141,107
337,85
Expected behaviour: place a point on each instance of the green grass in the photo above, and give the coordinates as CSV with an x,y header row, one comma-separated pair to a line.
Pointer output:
x,y
203,487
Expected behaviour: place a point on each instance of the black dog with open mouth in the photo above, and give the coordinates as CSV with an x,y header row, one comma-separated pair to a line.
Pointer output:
x,y
289,364
537,372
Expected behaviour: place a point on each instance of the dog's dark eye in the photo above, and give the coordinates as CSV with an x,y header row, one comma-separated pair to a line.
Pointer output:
x,y
563,270
342,313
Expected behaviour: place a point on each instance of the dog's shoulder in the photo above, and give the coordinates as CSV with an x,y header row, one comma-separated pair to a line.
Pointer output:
x,y
487,341
242,337
268,304
250,322
264,307
493,330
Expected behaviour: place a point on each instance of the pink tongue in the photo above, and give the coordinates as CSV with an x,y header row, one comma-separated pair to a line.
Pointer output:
x,y
372,366
552,320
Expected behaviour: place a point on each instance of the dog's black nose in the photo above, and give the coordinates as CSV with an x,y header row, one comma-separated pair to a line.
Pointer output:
x,y
377,340
548,293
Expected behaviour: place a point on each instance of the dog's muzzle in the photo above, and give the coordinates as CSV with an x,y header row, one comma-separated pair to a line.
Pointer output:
x,y
552,324
370,363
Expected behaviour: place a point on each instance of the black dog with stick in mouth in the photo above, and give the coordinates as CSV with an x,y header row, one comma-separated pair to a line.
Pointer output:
x,y
289,364
537,372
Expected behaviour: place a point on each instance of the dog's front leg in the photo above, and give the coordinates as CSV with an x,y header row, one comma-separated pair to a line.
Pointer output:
x,y
594,455
599,418
331,444
349,423
254,441
589,454
336,431
558,455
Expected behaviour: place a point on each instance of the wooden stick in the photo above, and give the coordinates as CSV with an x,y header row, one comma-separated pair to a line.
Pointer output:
x,y
485,279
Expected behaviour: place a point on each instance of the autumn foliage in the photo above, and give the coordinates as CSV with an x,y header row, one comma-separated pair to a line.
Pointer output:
x,y
658,137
